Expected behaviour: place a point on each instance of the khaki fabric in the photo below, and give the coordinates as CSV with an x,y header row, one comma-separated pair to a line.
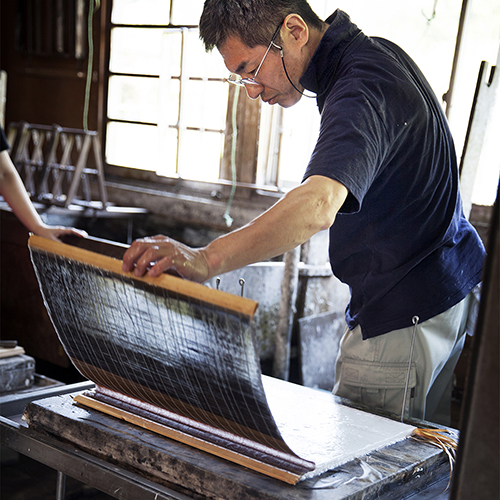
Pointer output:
x,y
374,371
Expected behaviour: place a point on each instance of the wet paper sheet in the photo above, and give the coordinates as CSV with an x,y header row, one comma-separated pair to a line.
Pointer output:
x,y
329,434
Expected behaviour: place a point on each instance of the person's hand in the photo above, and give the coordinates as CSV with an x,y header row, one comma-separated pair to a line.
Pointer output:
x,y
157,254
54,232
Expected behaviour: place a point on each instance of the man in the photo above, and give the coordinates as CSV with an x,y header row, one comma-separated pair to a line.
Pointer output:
x,y
383,178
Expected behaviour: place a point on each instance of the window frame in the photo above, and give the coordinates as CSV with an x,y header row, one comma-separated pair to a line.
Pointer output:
x,y
248,123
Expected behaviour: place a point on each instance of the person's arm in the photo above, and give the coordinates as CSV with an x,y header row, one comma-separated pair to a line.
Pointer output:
x,y
301,213
14,193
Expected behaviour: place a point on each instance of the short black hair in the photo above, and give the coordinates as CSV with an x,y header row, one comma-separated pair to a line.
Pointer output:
x,y
253,21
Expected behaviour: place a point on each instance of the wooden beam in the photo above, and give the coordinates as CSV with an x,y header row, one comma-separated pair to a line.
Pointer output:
x,y
171,283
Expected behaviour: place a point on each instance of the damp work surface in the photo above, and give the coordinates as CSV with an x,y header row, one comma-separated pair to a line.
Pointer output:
x,y
393,472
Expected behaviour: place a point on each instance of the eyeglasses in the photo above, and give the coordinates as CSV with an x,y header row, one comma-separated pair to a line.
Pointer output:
x,y
237,80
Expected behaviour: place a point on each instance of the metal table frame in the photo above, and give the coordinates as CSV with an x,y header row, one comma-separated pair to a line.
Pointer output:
x,y
68,460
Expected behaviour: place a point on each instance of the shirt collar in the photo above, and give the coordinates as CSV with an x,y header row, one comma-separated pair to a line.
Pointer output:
x,y
339,35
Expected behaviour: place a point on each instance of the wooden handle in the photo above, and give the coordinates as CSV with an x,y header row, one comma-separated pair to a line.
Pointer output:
x,y
171,283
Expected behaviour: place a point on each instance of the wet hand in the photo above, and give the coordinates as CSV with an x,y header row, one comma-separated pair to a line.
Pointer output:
x,y
157,254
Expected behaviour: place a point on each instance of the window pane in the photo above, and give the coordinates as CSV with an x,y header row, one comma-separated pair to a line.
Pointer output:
x,y
141,12
186,12
205,104
140,51
133,98
200,154
299,134
140,146
168,145
143,99
171,52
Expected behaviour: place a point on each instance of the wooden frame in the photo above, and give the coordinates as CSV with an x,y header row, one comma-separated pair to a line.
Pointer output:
x,y
174,284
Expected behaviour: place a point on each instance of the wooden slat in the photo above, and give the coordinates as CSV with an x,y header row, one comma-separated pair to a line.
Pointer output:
x,y
177,409
157,428
77,175
171,283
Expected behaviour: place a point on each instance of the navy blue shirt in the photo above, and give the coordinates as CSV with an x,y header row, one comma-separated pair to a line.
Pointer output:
x,y
400,241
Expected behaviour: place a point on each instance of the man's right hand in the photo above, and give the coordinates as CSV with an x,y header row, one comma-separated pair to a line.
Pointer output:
x,y
158,254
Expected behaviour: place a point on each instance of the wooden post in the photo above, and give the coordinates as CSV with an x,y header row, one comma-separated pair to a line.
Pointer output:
x,y
481,115
3,97
281,362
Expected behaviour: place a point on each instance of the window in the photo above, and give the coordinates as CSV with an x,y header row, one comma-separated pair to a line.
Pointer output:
x,y
167,98
170,109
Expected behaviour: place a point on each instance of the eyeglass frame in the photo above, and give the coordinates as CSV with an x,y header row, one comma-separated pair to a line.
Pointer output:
x,y
236,79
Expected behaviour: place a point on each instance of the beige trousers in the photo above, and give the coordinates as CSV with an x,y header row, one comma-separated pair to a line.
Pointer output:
x,y
374,371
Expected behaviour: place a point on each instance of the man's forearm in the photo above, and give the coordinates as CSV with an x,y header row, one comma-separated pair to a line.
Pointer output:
x,y
301,213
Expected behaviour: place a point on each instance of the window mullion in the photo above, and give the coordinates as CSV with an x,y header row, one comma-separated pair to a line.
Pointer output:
x,y
271,130
181,123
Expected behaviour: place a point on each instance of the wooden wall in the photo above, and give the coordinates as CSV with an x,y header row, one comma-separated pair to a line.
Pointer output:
x,y
47,89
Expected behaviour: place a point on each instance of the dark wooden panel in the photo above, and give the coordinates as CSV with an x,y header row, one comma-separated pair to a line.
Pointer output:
x,y
23,316
478,460
46,89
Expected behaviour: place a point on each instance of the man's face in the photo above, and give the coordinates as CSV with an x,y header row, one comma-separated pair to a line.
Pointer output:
x,y
273,85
